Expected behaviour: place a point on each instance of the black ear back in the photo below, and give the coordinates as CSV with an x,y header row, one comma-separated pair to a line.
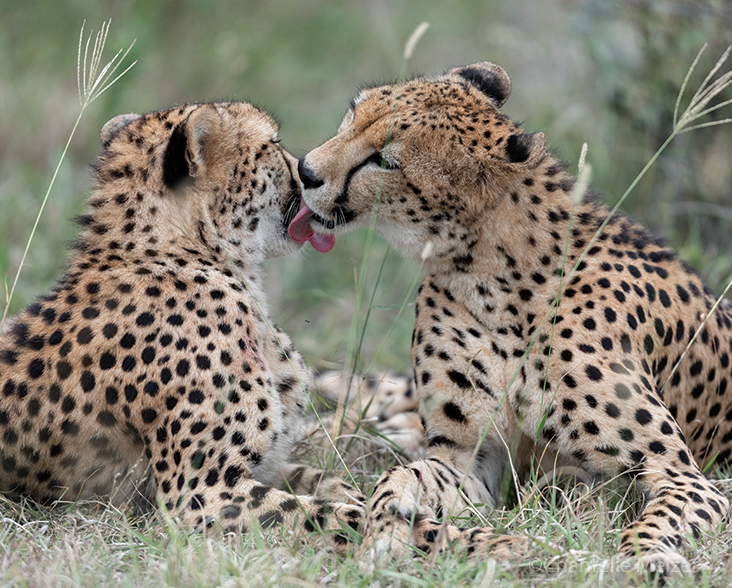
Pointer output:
x,y
518,148
175,163
526,148
489,78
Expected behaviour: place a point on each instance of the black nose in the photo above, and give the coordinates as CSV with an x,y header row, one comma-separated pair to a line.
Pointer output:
x,y
307,176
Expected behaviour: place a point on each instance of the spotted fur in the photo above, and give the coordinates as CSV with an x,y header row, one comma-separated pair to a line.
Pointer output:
x,y
617,379
152,368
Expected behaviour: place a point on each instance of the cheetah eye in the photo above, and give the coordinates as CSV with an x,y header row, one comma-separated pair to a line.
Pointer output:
x,y
383,160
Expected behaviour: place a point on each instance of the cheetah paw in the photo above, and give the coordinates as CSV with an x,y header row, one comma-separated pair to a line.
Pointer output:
x,y
336,490
666,563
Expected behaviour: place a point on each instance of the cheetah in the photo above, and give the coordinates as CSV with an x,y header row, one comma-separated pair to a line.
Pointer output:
x,y
384,401
619,366
152,368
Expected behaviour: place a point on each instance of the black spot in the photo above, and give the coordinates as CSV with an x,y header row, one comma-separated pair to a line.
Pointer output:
x,y
459,379
84,336
87,381
593,373
657,447
106,419
626,435
148,355
648,344
145,319
151,388
453,412
642,416
36,368
232,476
182,368
591,428
106,361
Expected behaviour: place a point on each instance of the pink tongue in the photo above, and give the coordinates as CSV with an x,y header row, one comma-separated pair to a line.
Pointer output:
x,y
300,231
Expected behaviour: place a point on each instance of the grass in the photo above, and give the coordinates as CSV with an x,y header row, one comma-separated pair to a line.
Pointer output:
x,y
91,83
95,545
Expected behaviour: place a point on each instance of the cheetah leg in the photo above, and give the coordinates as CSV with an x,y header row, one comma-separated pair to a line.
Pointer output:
x,y
683,502
206,484
624,426
408,501
239,504
298,479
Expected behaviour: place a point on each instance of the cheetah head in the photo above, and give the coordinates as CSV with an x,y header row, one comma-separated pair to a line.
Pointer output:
x,y
213,174
429,157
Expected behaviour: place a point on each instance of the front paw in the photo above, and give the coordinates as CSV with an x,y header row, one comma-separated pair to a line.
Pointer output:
x,y
336,490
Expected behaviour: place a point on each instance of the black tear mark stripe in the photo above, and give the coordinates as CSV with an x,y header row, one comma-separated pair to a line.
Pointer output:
x,y
376,158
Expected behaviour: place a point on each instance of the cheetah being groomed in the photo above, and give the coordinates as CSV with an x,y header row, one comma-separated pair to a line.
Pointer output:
x,y
152,367
600,385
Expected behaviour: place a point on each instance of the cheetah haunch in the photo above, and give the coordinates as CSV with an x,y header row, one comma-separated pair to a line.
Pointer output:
x,y
152,367
599,385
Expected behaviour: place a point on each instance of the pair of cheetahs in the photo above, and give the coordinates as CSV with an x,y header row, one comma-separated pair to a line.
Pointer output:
x,y
153,367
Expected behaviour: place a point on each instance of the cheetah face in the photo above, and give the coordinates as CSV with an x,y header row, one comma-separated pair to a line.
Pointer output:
x,y
219,173
429,157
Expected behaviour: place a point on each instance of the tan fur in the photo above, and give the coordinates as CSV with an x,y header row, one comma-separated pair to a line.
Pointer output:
x,y
490,210
152,368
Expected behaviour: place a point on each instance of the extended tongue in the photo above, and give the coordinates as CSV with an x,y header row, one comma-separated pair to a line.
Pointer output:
x,y
300,230
322,242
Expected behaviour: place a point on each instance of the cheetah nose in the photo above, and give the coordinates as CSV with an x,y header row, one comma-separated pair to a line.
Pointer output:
x,y
307,176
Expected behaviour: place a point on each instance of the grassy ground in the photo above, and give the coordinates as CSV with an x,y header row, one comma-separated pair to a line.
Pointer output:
x,y
94,545
592,71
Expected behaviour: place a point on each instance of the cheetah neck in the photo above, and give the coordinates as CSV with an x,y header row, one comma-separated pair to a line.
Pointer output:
x,y
160,240
513,262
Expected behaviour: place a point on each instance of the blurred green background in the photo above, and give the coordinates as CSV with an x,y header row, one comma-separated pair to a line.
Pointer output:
x,y
596,71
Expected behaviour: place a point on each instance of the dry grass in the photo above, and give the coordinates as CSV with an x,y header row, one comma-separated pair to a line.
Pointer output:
x,y
92,544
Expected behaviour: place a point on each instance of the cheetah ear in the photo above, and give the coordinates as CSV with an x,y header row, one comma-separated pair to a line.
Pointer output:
x,y
489,78
112,128
527,149
205,131
191,147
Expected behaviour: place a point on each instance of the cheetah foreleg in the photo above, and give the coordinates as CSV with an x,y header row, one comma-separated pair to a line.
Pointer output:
x,y
298,479
406,504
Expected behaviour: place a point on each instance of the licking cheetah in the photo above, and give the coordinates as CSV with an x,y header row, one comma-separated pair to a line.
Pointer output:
x,y
619,366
